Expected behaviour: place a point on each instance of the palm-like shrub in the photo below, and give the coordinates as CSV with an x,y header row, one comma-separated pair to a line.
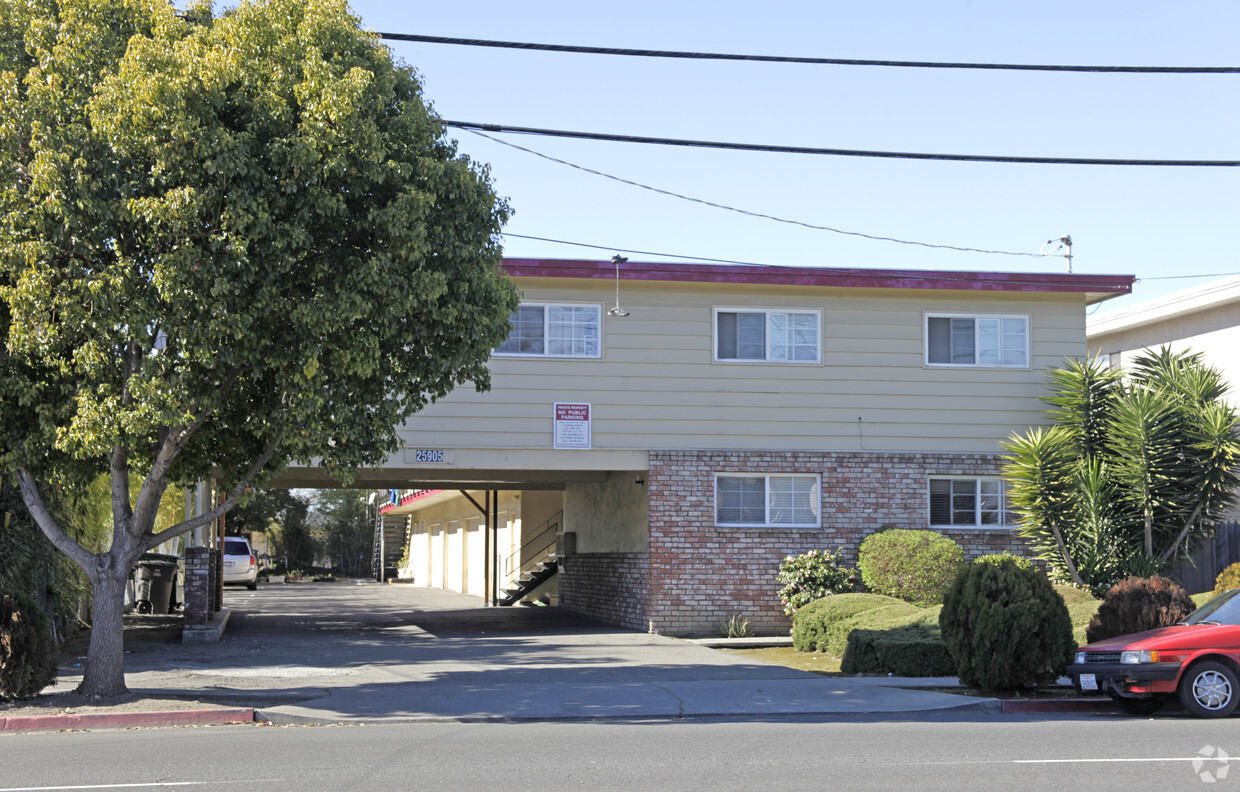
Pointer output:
x,y
1133,472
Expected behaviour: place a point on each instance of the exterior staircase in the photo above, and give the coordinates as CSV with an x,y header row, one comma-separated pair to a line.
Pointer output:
x,y
536,559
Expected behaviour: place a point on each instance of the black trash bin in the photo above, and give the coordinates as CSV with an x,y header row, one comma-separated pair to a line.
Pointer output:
x,y
154,579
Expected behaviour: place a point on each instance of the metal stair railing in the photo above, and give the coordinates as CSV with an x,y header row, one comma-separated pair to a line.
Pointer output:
x,y
538,548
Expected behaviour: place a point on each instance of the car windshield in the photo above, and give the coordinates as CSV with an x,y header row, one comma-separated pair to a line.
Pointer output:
x,y
1223,609
233,547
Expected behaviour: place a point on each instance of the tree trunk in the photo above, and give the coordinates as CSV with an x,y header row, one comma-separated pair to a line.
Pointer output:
x,y
105,659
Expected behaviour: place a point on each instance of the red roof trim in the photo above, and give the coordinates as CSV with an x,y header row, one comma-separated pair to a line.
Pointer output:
x,y
814,276
416,496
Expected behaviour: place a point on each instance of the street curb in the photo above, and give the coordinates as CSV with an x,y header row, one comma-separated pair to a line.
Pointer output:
x,y
1058,705
126,720
295,719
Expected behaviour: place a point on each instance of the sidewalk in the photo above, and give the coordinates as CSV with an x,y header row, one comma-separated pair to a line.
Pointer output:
x,y
359,652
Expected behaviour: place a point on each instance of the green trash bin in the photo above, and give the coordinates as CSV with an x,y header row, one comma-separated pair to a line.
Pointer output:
x,y
154,578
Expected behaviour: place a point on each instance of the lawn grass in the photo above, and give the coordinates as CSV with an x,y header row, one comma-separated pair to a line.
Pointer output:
x,y
786,656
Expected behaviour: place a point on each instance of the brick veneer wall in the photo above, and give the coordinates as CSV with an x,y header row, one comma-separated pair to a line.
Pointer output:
x,y
700,572
203,593
610,587
198,600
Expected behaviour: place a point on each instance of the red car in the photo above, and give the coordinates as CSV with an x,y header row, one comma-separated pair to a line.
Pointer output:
x,y
1197,659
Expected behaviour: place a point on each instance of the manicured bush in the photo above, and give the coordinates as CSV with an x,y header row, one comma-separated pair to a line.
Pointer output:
x,y
914,650
27,648
1135,604
811,576
999,558
1229,578
1006,627
824,625
915,566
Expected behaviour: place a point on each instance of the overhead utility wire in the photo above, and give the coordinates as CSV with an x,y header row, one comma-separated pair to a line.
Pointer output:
x,y
746,211
471,125
821,61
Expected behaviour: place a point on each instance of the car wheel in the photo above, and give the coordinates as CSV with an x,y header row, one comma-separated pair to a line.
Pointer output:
x,y
1209,690
1139,706
252,585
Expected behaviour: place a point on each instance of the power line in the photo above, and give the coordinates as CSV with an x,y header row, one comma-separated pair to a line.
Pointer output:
x,y
820,61
746,211
639,252
471,125
1182,277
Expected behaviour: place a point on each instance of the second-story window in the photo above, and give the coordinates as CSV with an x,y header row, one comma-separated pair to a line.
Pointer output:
x,y
553,330
981,340
782,336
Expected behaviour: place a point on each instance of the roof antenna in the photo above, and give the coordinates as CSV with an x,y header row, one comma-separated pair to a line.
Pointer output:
x,y
1065,242
618,311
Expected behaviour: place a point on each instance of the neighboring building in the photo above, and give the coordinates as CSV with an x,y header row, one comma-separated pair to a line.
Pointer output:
x,y
1204,319
735,416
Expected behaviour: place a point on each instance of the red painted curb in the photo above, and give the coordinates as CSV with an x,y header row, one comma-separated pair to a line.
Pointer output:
x,y
1057,705
126,720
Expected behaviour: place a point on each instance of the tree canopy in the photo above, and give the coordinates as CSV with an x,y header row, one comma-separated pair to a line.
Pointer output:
x,y
1137,468
226,243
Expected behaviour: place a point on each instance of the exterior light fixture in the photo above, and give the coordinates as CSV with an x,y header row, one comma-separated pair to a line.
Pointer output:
x,y
618,311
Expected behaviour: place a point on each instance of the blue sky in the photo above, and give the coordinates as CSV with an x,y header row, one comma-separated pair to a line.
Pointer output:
x,y
1144,221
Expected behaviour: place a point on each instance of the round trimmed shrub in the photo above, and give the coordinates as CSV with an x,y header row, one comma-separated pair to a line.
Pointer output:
x,y
1006,627
1136,604
915,566
1228,579
999,558
812,576
27,648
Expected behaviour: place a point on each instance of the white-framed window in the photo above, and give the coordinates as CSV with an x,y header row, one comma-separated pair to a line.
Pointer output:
x,y
977,340
758,499
554,330
968,501
746,334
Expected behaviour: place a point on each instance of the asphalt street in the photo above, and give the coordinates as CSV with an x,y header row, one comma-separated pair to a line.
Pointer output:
x,y
945,751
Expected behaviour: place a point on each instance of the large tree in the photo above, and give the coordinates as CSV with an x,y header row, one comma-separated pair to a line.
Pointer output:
x,y
226,243
347,529
1136,469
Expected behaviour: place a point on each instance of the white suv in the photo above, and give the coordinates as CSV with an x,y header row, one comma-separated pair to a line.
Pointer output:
x,y
240,565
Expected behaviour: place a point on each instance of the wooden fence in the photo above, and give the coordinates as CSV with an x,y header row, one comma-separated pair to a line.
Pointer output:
x,y
1198,573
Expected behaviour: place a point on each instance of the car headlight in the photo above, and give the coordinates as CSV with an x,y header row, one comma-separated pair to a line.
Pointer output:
x,y
1080,657
1138,656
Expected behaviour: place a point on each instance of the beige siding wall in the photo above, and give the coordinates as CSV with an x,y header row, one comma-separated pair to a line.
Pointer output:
x,y
658,386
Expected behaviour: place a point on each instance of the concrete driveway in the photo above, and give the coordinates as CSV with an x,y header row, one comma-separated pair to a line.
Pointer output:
x,y
358,651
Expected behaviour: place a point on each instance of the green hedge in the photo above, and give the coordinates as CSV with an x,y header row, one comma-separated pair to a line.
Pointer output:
x,y
914,650
824,625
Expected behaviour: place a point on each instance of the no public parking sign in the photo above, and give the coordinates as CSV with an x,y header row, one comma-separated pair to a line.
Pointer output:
x,y
572,425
